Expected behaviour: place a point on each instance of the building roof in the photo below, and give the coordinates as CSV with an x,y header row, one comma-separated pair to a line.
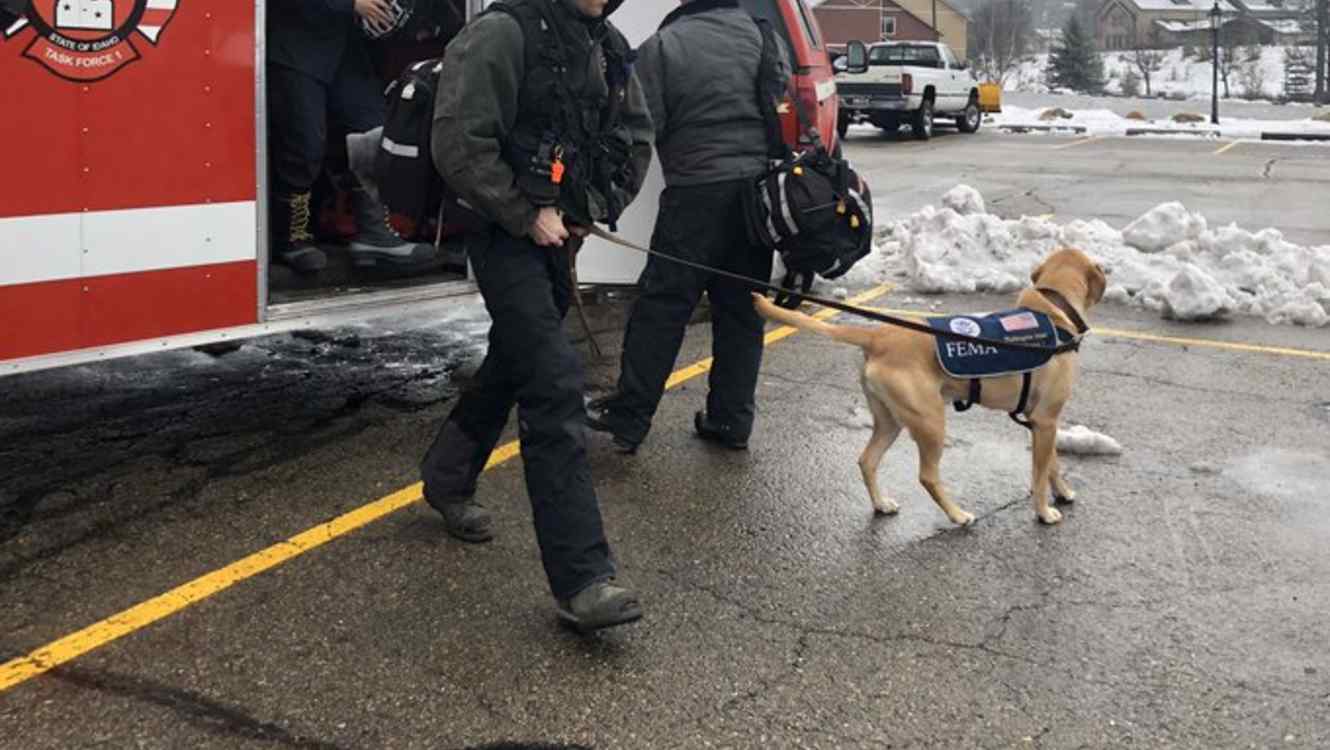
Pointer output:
x,y
1197,6
869,3
1282,26
1285,26
1266,7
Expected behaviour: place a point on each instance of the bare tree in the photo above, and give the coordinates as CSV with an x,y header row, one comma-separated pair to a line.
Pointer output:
x,y
1148,57
1230,42
1322,50
1000,33
1314,15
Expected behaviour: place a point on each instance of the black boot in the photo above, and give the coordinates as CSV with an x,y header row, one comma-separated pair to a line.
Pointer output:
x,y
600,418
466,520
292,243
377,241
721,434
600,605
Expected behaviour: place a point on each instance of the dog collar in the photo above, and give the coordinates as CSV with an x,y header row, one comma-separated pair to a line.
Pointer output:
x,y
1067,309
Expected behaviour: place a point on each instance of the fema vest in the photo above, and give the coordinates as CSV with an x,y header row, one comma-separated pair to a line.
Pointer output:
x,y
964,359
569,147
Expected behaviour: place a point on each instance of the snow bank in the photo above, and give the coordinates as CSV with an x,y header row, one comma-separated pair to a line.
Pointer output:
x,y
1169,260
1107,122
964,200
1163,226
1083,441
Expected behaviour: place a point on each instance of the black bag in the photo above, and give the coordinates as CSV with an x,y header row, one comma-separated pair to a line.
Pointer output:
x,y
812,208
409,185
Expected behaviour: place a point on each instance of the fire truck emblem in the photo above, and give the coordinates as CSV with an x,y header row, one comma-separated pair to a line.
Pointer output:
x,y
88,40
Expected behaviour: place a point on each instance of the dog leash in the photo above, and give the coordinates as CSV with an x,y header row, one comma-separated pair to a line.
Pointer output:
x,y
1070,346
574,246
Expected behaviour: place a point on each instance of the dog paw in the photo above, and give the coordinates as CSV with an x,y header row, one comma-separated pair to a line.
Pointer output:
x,y
887,508
1050,516
963,518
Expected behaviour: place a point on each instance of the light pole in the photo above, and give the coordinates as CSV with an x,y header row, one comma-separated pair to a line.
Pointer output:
x,y
1214,63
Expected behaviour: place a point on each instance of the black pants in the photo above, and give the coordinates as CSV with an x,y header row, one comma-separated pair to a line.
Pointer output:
x,y
531,362
703,224
300,109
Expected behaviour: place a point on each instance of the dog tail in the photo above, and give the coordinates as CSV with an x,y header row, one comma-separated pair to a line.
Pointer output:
x,y
856,335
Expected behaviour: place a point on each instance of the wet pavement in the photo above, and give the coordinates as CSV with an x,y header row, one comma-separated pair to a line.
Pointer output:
x,y
1116,179
1181,603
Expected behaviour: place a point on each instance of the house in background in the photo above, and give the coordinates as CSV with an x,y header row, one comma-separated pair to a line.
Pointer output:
x,y
892,20
1126,24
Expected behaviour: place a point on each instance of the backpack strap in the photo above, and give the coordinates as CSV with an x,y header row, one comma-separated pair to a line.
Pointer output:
x,y
770,91
802,282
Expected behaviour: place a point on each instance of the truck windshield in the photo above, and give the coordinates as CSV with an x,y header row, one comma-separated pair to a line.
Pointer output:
x,y
905,54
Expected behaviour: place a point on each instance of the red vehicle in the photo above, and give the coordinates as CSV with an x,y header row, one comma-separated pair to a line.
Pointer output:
x,y
814,80
134,213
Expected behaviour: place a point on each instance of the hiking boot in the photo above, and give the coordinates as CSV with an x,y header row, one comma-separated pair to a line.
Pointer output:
x,y
714,432
466,520
600,605
377,241
292,243
598,419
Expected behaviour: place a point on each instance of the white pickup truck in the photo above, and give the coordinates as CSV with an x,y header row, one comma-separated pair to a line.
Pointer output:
x,y
893,83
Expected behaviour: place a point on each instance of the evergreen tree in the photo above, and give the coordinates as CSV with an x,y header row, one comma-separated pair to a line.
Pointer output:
x,y
1075,62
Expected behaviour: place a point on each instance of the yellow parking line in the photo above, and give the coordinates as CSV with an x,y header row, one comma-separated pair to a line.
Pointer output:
x,y
1079,142
1120,333
1224,148
70,647
1235,346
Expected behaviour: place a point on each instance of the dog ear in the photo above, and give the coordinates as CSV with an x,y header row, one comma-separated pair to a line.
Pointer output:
x,y
1096,281
1034,276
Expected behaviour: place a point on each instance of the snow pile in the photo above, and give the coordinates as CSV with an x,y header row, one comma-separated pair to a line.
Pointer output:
x,y
1162,226
1193,295
1084,441
1169,260
1107,122
964,200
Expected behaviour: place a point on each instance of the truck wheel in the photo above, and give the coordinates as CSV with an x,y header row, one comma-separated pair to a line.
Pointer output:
x,y
923,121
842,125
970,118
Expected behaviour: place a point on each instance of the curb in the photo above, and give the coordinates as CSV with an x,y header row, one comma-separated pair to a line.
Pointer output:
x,y
1171,131
1043,128
1295,136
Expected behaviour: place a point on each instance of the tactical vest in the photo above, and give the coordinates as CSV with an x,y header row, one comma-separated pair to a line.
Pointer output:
x,y
569,147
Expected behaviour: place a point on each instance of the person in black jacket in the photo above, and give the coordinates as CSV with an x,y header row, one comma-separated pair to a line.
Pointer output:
x,y
543,129
319,71
700,75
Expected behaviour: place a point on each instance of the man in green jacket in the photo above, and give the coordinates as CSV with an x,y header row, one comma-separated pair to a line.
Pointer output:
x,y
541,128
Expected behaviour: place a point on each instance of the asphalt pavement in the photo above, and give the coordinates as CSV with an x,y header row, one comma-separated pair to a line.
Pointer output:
x,y
1181,603
1256,185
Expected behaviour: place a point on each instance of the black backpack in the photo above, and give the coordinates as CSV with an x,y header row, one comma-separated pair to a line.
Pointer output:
x,y
812,208
409,185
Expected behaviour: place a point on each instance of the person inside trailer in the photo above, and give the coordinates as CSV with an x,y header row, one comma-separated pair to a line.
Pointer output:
x,y
320,74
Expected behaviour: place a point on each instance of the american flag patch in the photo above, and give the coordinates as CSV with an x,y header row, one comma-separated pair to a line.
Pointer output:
x,y
1019,322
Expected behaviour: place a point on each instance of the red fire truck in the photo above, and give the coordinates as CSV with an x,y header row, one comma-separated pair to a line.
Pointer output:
x,y
134,190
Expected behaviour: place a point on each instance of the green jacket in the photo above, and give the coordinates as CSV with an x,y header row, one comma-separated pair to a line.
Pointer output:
x,y
476,110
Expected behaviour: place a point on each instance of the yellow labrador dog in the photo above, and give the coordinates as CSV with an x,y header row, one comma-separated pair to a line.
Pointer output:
x,y
907,387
